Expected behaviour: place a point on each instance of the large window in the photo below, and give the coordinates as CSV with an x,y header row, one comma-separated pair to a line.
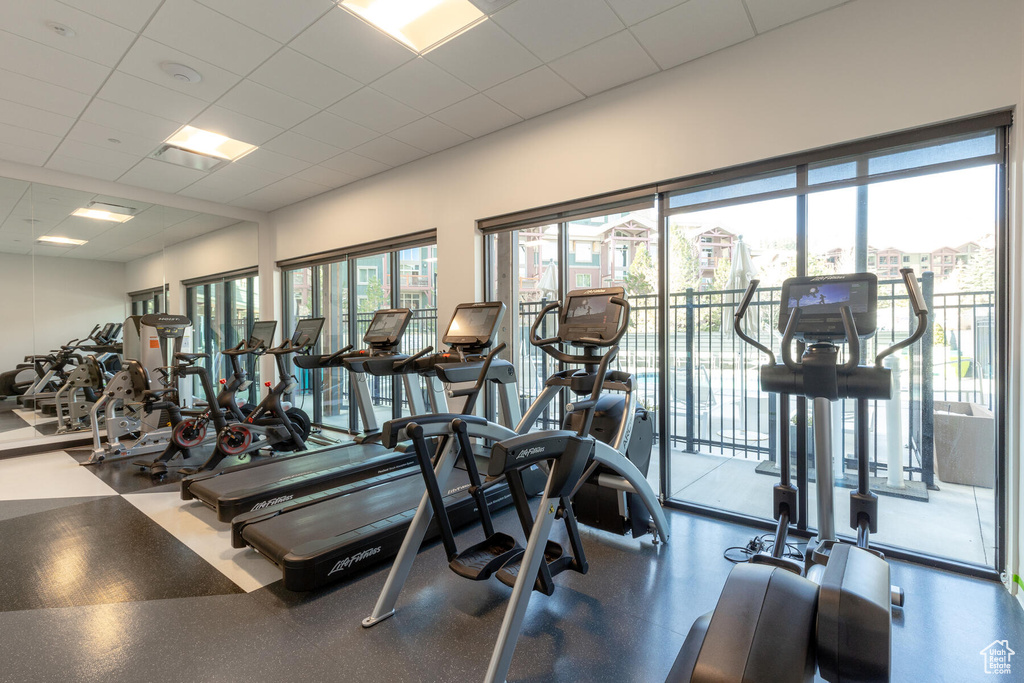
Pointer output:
x,y
927,200
149,301
346,293
222,311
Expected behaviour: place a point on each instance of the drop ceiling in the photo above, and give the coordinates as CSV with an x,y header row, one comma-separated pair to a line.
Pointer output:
x,y
31,210
327,98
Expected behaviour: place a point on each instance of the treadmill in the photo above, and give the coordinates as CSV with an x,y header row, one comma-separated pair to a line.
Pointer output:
x,y
328,536
257,485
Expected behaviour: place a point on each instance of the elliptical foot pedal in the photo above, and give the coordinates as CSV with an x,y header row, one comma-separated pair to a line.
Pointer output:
x,y
510,572
478,562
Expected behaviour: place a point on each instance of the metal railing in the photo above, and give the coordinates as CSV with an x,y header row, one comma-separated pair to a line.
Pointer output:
x,y
715,404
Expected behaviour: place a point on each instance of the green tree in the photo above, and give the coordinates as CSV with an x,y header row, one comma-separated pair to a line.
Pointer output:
x,y
376,297
641,277
722,271
684,270
978,274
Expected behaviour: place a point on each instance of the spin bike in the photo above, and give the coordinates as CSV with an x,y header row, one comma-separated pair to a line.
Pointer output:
x,y
595,447
778,619
271,424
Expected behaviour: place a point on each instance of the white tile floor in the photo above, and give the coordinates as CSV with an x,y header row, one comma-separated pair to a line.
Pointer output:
x,y
956,522
48,475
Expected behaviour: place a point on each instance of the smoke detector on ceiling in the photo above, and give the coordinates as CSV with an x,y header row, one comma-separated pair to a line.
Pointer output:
x,y
60,29
180,72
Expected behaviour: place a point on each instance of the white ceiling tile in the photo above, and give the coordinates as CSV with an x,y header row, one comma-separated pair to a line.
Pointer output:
x,y
692,30
326,176
389,151
129,121
100,136
483,56
197,30
423,86
534,93
23,155
157,175
266,104
234,125
553,29
60,162
351,46
634,11
335,130
429,135
257,202
355,165
136,93
605,64
36,60
476,116
146,56
287,191
231,182
375,110
301,147
303,78
40,94
39,120
100,155
95,39
769,14
22,137
267,160
279,20
131,14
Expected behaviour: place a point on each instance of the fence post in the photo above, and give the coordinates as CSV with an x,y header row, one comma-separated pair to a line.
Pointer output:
x,y
689,370
927,388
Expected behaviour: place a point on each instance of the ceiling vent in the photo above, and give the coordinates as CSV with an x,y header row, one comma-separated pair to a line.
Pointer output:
x,y
178,156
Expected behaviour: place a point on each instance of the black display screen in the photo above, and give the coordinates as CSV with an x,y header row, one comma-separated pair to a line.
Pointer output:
x,y
386,326
829,297
473,323
591,311
262,333
307,331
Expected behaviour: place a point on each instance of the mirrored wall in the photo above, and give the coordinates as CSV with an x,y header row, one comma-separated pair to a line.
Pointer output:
x,y
74,266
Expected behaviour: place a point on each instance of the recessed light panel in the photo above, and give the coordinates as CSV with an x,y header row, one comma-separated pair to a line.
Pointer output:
x,y
211,144
419,24
65,241
101,215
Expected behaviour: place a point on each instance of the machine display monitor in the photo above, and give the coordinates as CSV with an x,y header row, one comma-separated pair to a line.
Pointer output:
x,y
262,334
821,300
590,313
307,331
474,324
387,326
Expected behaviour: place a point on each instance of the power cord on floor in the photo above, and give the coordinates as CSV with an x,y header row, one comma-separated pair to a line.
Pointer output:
x,y
763,544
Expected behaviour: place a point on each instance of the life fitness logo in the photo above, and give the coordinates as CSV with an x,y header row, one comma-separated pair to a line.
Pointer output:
x,y
529,452
272,501
997,657
354,559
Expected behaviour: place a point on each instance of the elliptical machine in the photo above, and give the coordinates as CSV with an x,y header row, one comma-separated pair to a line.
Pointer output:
x,y
776,618
221,409
271,424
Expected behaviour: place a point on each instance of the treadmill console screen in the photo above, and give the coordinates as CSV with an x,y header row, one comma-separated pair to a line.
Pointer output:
x,y
591,313
387,326
307,332
821,300
262,334
474,324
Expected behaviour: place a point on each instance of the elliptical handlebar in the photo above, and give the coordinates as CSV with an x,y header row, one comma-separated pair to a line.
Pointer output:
x,y
534,339
737,323
920,310
549,345
787,341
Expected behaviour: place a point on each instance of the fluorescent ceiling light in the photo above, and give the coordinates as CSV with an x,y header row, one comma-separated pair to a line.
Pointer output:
x,y
51,239
103,215
211,144
419,24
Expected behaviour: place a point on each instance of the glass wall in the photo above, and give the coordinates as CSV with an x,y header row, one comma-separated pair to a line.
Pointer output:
x,y
347,293
933,205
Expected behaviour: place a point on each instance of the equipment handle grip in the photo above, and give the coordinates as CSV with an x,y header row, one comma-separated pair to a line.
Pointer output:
x,y
914,291
482,377
334,356
400,364
852,340
787,340
920,308
741,312
534,339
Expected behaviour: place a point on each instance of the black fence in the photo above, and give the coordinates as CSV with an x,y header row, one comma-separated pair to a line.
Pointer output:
x,y
715,404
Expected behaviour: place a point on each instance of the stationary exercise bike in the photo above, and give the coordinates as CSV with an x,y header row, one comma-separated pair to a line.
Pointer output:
x,y
221,409
271,424
777,619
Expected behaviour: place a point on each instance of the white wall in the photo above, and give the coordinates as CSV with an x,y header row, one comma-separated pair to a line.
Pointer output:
x,y
48,301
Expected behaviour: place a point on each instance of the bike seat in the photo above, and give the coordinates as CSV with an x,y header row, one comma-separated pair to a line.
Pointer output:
x,y
189,357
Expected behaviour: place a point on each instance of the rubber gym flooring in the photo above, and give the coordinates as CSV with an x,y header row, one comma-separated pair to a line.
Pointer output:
x,y
107,577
